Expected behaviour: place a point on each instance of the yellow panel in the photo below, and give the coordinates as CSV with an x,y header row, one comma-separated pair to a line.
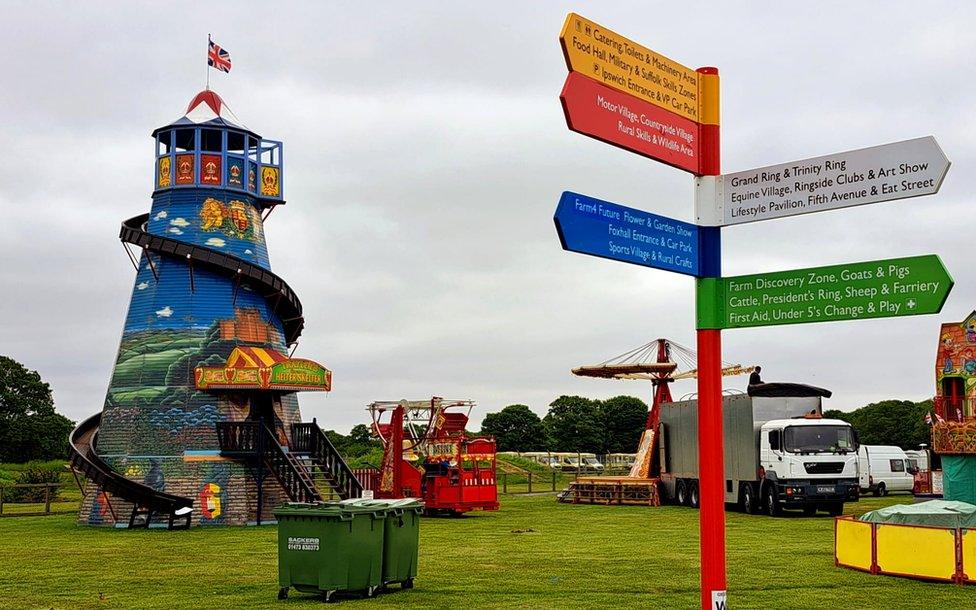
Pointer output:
x,y
622,64
969,555
853,544
916,551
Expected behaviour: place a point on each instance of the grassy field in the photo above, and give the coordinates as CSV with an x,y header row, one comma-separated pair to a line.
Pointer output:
x,y
533,553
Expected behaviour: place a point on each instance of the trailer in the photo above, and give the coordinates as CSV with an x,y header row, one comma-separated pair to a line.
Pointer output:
x,y
779,452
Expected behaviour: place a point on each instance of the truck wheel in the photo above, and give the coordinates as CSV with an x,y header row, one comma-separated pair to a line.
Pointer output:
x,y
748,499
693,500
836,509
809,511
770,503
881,490
681,493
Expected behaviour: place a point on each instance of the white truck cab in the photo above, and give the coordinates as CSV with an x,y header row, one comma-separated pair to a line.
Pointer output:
x,y
808,462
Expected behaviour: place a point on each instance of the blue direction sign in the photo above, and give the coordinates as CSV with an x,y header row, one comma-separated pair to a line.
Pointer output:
x,y
604,229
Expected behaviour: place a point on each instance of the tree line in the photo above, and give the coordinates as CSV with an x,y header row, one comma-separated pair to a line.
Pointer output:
x,y
30,429
573,423
889,422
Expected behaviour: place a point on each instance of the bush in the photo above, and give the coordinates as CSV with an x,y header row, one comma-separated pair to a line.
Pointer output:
x,y
34,472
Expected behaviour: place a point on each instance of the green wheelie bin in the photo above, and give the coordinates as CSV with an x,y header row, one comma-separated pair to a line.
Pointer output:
x,y
324,548
401,537
401,542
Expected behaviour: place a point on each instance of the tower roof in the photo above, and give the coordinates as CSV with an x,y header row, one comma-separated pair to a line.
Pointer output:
x,y
208,109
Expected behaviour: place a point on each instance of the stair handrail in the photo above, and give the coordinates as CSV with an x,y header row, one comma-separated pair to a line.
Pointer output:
x,y
242,437
308,437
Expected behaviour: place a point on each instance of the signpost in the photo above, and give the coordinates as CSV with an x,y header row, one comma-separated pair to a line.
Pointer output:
x,y
627,95
604,229
869,175
854,291
620,119
609,58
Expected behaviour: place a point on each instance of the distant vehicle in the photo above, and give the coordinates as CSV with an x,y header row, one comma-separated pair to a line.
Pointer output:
x,y
579,462
883,469
917,459
591,463
779,452
620,461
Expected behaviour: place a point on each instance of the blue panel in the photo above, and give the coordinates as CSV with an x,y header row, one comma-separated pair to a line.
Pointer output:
x,y
218,219
604,229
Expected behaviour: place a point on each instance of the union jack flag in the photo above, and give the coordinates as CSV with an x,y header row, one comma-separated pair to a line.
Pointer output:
x,y
218,58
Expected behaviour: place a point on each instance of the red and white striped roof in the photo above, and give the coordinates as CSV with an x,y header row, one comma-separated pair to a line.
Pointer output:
x,y
208,108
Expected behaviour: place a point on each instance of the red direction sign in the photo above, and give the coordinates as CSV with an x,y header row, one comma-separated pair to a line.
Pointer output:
x,y
595,110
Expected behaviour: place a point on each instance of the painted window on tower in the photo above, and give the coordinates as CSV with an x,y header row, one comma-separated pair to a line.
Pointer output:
x,y
235,172
235,160
270,185
164,172
210,169
184,169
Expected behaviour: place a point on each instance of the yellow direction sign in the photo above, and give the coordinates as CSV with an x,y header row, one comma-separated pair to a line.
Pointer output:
x,y
617,62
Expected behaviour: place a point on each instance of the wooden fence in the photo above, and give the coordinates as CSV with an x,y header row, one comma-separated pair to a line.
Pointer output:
x,y
50,495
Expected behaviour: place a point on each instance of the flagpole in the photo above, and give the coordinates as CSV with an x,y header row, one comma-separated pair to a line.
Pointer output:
x,y
208,62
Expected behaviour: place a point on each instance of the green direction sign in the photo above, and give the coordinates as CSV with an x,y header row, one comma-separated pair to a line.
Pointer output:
x,y
876,289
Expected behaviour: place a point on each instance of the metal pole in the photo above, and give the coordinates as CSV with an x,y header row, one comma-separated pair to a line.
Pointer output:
x,y
710,441
504,482
530,482
554,480
47,500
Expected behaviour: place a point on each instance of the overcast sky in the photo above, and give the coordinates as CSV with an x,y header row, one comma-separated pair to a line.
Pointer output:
x,y
425,152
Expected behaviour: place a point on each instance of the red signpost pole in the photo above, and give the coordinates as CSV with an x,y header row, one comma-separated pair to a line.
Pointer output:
x,y
711,452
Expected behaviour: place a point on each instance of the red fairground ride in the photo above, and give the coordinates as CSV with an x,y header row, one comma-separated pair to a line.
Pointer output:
x,y
427,454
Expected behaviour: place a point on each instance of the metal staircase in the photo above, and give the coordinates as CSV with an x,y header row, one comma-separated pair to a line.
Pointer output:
x,y
252,439
309,440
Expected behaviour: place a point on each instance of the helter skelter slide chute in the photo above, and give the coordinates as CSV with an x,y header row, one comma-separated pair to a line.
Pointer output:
x,y
659,362
427,454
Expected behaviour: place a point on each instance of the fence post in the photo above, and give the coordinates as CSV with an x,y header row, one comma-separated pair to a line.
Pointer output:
x,y
530,481
47,500
579,464
554,480
504,482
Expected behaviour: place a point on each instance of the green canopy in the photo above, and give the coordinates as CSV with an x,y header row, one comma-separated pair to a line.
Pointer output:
x,y
934,513
959,477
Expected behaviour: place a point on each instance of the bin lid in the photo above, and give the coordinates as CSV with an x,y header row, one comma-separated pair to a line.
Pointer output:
x,y
382,504
322,509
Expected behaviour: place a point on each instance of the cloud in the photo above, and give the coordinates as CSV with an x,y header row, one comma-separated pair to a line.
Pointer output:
x,y
179,222
161,215
165,312
216,242
175,231
142,285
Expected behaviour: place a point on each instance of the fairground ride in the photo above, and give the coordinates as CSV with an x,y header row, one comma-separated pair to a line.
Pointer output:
x,y
661,362
427,454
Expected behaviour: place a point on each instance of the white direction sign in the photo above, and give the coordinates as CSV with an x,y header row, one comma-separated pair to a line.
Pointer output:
x,y
870,175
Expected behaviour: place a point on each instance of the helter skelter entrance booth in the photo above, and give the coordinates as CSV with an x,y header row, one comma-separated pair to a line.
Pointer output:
x,y
201,422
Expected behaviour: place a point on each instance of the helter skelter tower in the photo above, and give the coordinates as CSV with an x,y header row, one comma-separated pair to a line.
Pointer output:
x,y
201,410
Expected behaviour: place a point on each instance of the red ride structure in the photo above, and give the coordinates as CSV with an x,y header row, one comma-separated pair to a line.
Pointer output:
x,y
427,454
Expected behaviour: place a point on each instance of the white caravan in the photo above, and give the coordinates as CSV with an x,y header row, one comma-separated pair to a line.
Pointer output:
x,y
882,469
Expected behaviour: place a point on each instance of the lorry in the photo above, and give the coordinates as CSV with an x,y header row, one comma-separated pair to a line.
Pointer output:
x,y
780,453
883,468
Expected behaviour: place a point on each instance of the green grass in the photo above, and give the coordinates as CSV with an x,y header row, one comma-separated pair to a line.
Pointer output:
x,y
573,557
